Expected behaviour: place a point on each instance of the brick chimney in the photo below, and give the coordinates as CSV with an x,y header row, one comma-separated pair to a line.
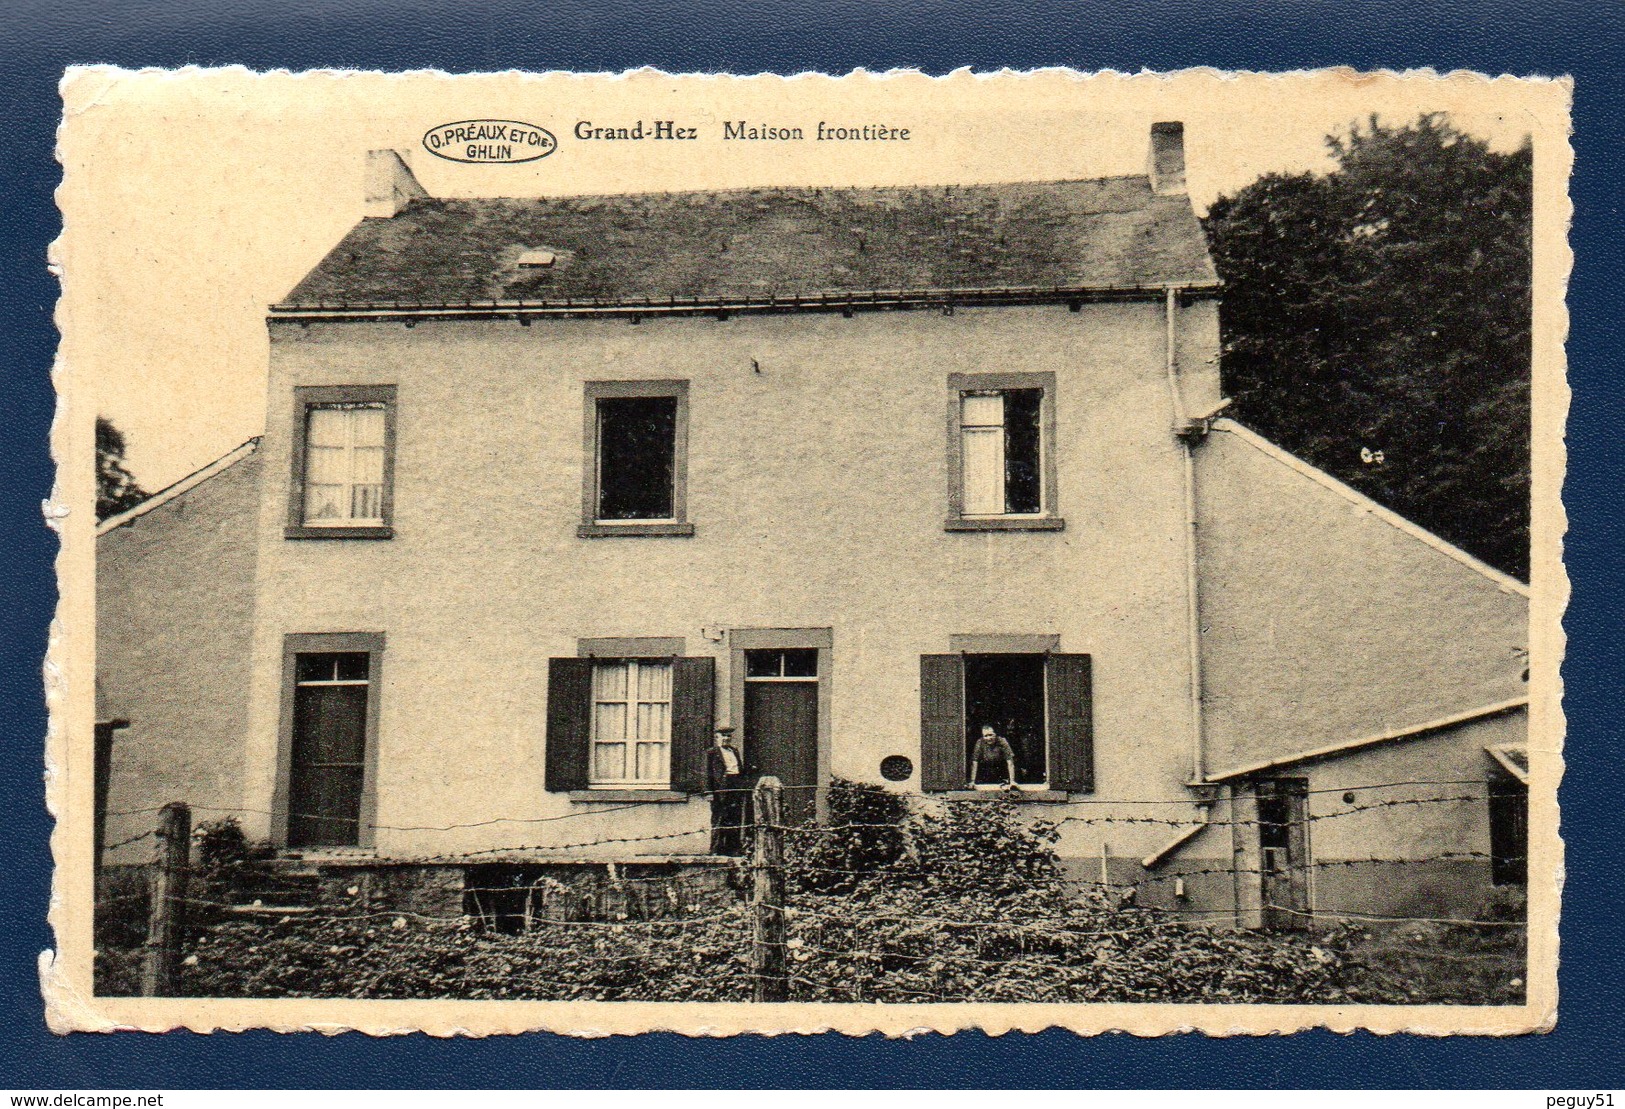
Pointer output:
x,y
1166,164
390,184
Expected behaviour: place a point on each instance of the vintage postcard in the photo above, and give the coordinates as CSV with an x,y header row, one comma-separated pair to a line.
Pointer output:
x,y
605,553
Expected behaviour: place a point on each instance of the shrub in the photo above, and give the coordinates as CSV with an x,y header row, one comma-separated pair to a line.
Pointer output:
x,y
225,866
863,836
963,901
984,848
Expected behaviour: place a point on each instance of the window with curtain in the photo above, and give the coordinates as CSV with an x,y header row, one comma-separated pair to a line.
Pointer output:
x,y
631,723
1000,446
344,465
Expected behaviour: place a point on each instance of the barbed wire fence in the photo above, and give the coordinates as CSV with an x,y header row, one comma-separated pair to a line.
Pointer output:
x,y
537,919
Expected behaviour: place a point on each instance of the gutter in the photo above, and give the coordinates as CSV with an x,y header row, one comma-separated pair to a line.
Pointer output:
x,y
845,302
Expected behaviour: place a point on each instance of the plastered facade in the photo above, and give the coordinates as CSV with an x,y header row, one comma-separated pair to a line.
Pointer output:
x,y
1323,622
817,486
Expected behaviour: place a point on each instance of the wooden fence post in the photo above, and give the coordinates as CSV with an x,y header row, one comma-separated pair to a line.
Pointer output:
x,y
166,914
770,981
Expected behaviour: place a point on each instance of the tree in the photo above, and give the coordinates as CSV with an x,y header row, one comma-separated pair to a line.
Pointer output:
x,y
116,488
1376,322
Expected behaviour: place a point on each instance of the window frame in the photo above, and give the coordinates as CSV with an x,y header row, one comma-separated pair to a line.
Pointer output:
x,y
677,525
567,728
1044,714
307,398
1068,770
1048,518
295,644
631,702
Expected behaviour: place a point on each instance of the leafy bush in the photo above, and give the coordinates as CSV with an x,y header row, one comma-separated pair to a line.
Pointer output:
x,y
378,955
120,929
983,848
226,866
958,902
864,835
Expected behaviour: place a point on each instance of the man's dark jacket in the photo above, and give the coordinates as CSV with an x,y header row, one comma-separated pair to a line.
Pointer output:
x,y
716,769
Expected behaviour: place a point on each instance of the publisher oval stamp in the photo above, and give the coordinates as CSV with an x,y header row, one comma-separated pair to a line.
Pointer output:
x,y
489,141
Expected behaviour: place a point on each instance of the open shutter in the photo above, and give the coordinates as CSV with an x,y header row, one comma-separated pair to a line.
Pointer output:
x,y
693,708
1071,724
569,728
942,722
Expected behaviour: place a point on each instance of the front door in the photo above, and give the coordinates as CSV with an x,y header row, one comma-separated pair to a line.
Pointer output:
x,y
1283,852
781,724
329,750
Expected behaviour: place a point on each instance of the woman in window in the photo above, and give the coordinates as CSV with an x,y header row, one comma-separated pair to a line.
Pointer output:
x,y
993,761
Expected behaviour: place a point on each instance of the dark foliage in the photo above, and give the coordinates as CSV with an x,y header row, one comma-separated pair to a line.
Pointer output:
x,y
226,866
964,904
1376,322
863,836
116,488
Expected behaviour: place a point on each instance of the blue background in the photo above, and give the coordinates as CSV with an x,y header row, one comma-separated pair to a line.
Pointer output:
x,y
1547,36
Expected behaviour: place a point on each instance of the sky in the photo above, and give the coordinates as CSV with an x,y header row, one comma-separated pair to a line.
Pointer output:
x,y
193,200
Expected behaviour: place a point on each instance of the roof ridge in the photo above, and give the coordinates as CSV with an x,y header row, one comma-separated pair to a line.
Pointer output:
x,y
184,485
771,189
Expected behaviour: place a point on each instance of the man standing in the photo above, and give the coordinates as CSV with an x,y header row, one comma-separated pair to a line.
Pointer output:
x,y
730,795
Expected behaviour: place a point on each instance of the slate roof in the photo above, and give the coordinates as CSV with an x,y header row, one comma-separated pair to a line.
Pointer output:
x,y
749,244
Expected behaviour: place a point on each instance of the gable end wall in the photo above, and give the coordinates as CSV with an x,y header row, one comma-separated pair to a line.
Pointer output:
x,y
174,623
1323,622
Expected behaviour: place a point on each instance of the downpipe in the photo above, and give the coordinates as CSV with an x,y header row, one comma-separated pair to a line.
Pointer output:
x,y
1187,431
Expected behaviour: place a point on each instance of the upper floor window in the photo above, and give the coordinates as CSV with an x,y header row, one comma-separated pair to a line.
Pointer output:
x,y
1002,452
343,442
344,465
637,459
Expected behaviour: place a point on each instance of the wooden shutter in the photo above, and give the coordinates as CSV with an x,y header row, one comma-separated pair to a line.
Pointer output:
x,y
693,709
569,727
1071,723
942,722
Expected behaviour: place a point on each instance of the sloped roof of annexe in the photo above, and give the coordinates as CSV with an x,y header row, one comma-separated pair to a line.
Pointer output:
x,y
184,485
1360,743
1503,581
746,245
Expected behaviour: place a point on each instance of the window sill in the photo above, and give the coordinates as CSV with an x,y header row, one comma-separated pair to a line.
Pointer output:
x,y
624,796
634,530
1020,796
1005,523
299,531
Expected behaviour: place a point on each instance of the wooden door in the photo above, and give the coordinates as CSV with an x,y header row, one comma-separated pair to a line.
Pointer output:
x,y
781,739
1283,852
329,753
